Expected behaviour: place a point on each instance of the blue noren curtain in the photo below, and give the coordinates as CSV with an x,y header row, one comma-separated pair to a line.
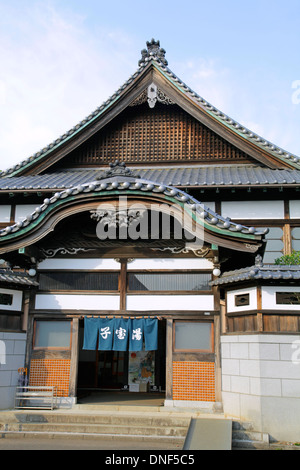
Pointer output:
x,y
106,333
121,330
136,334
90,333
150,329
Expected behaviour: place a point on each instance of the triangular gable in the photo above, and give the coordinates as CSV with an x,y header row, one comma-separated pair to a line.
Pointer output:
x,y
154,82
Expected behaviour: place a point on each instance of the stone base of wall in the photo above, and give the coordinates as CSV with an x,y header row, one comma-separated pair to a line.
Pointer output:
x,y
261,382
12,357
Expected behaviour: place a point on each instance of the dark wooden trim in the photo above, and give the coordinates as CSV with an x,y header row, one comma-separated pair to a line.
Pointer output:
x,y
123,284
193,356
169,359
74,357
50,314
170,292
263,312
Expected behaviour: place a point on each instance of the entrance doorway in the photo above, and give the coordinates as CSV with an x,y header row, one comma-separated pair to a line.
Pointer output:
x,y
142,371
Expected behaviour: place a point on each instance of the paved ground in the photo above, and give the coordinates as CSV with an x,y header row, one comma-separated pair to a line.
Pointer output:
x,y
8,443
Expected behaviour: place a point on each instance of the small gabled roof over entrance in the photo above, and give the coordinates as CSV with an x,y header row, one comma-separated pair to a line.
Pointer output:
x,y
154,83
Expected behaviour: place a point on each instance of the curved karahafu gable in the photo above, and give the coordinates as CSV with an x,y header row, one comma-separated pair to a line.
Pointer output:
x,y
118,182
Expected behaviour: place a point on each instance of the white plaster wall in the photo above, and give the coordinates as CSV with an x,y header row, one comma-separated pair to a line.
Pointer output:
x,y
12,357
23,210
253,209
268,297
80,263
295,209
16,300
169,302
170,263
5,211
231,307
261,382
76,302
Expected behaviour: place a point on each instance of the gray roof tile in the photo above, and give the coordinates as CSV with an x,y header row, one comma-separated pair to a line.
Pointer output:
x,y
259,272
198,176
10,277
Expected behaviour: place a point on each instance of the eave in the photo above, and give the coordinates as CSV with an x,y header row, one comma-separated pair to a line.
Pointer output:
x,y
196,176
217,229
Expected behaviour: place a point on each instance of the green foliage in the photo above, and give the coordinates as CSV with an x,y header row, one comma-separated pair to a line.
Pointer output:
x,y
293,258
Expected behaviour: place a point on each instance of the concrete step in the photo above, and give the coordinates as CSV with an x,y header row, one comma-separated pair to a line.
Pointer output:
x,y
136,425
244,436
119,424
119,418
129,429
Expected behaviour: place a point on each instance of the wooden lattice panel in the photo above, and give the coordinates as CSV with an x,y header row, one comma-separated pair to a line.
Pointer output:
x,y
162,134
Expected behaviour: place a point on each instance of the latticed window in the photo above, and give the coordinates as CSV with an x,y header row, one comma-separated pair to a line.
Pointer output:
x,y
163,134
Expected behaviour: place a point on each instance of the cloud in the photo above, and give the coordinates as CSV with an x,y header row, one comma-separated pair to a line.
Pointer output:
x,y
54,73
57,67
262,105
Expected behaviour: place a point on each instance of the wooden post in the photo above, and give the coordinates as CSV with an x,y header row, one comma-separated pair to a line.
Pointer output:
x,y
122,286
74,358
218,372
260,325
26,304
169,359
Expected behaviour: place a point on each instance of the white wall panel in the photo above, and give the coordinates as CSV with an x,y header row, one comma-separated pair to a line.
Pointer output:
x,y
5,210
80,263
170,263
268,297
16,301
24,209
253,209
295,209
170,302
231,307
77,302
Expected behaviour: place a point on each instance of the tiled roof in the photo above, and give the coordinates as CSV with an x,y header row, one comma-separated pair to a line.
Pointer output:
x,y
11,277
198,176
121,179
156,56
256,272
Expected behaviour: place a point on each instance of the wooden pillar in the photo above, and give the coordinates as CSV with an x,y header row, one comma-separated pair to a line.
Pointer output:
x,y
260,325
74,358
26,303
122,286
287,237
169,359
217,346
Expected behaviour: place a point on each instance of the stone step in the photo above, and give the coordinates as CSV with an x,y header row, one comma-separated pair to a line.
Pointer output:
x,y
129,429
120,418
142,425
244,436
169,427
172,440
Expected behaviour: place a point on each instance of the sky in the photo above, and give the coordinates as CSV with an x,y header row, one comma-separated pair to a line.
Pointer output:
x,y
61,59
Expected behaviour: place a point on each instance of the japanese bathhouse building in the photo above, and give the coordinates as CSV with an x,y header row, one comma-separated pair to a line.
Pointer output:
x,y
138,254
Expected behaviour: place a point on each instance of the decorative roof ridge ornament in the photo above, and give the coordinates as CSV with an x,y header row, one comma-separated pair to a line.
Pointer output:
x,y
153,51
117,169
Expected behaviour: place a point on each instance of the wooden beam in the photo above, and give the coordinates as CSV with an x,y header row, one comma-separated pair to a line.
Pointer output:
x,y
169,359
